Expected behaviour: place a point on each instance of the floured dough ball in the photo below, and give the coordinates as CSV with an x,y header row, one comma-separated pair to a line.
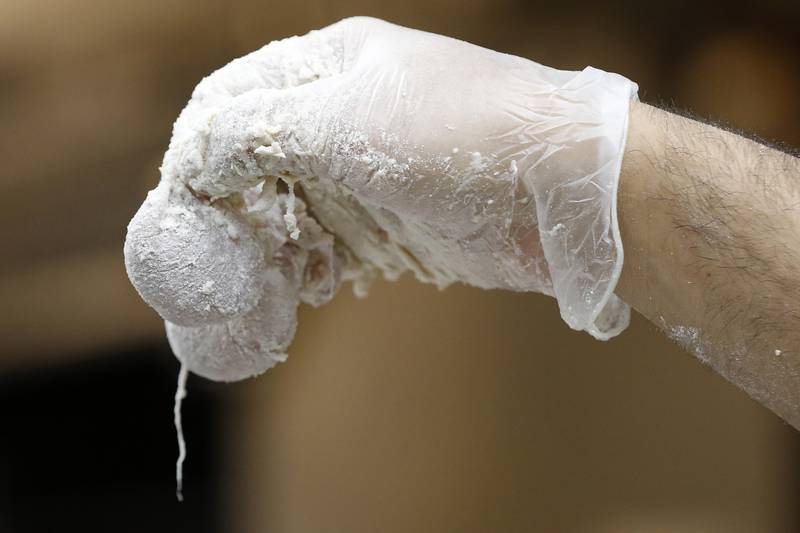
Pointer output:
x,y
245,346
193,262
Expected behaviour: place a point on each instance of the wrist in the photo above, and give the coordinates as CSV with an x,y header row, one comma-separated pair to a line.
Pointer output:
x,y
634,219
652,249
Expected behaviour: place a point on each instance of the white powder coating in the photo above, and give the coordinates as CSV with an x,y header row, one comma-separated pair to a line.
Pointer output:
x,y
177,240
361,149
688,338
226,351
225,251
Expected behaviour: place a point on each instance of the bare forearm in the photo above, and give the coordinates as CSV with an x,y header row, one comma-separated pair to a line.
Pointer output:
x,y
711,227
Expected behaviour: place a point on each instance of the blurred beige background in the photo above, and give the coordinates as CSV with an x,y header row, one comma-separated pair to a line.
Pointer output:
x,y
413,410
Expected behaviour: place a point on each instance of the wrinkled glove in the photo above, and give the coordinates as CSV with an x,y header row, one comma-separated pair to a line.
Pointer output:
x,y
367,148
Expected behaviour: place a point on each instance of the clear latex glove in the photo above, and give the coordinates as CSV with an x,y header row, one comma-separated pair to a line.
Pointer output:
x,y
416,151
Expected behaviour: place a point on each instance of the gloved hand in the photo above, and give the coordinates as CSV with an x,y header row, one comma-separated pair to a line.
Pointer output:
x,y
411,151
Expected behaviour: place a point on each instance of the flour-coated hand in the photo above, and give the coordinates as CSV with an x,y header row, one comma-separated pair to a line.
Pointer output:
x,y
413,151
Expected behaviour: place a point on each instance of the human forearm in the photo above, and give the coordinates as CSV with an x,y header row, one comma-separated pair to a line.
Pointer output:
x,y
710,222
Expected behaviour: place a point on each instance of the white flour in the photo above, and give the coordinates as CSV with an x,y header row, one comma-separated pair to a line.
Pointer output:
x,y
225,255
218,236
281,182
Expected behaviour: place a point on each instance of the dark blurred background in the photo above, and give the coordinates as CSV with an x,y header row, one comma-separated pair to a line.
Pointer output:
x,y
414,410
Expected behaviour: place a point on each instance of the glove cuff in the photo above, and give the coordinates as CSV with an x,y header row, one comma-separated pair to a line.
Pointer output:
x,y
575,187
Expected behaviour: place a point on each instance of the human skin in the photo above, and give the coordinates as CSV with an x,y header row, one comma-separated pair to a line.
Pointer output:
x,y
710,224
